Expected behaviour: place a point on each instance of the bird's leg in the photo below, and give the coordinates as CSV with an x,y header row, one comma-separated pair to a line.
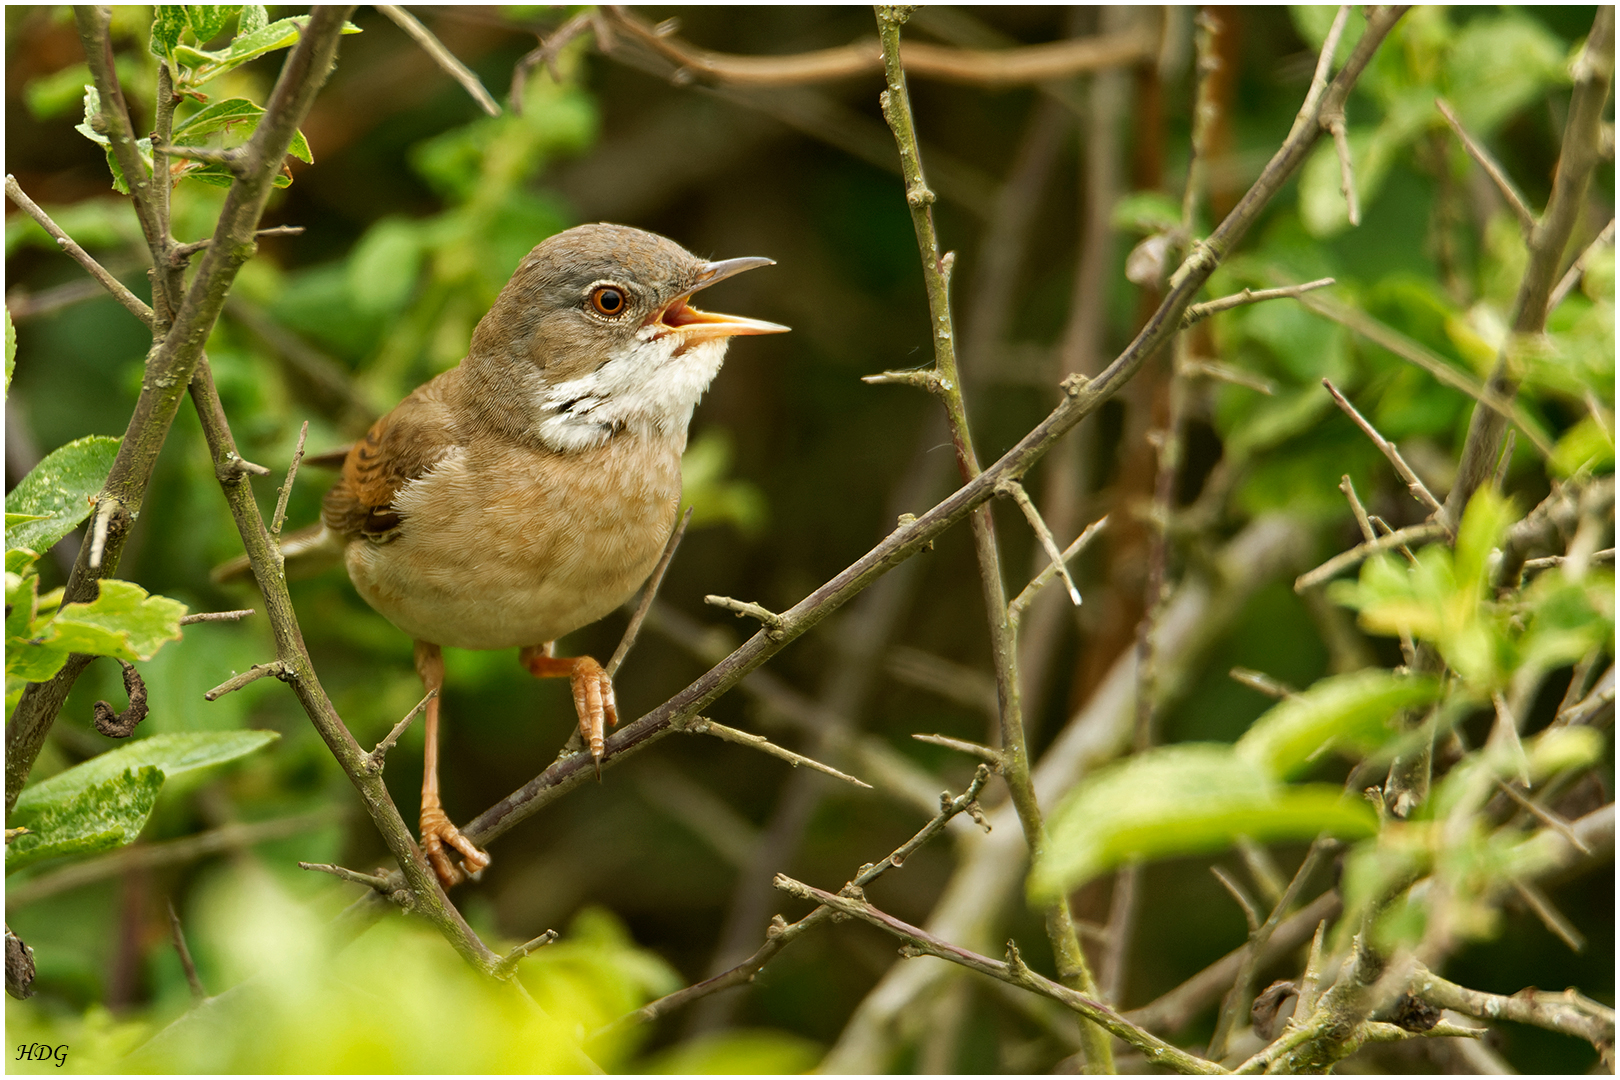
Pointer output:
x,y
436,828
593,691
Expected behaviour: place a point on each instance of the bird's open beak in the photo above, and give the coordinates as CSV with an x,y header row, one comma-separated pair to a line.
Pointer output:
x,y
694,325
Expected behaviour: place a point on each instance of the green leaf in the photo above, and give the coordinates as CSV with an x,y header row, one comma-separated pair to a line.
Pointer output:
x,y
217,117
1498,64
122,621
207,20
1146,212
1588,445
250,44
20,519
95,817
1351,711
171,754
168,23
59,489
254,17
383,266
1183,800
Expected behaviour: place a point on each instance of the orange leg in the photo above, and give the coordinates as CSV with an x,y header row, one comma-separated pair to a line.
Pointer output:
x,y
437,832
593,691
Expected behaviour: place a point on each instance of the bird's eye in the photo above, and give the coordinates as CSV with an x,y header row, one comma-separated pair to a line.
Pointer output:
x,y
608,300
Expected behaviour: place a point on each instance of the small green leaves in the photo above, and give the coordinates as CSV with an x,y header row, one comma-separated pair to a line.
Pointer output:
x,y
236,119
1351,711
1183,800
123,621
58,490
104,802
168,24
93,818
170,754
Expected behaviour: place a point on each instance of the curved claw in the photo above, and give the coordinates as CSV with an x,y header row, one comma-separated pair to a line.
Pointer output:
x,y
437,833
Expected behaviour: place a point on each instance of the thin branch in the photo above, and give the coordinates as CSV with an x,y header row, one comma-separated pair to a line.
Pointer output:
x,y
545,56
166,853
984,67
1197,313
1021,602
1348,486
1567,1013
378,882
1553,919
508,963
702,725
251,675
1033,516
1213,369
182,253
1417,354
1347,175
186,963
1014,972
978,750
1250,915
1572,276
1420,490
1261,682
1324,60
120,291
1498,176
234,160
781,933
374,760
1311,979
774,623
648,593
442,56
215,616
1412,534
286,489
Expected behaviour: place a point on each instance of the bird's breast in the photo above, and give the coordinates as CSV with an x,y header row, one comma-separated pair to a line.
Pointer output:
x,y
508,546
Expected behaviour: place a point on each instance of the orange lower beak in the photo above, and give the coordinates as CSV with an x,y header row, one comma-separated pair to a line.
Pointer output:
x,y
695,325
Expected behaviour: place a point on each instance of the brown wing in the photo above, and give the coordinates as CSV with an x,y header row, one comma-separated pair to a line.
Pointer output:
x,y
399,448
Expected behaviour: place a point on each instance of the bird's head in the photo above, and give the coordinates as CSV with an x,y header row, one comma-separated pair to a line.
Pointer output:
x,y
596,334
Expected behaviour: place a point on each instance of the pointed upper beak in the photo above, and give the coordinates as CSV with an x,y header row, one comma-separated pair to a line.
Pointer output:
x,y
695,325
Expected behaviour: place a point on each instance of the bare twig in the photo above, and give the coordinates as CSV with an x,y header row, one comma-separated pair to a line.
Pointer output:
x,y
1416,486
442,56
1572,276
648,593
1343,561
186,963
1197,313
374,760
251,675
1414,353
702,725
997,67
781,933
371,881
1568,1013
978,750
1250,915
1347,486
510,961
1033,516
1498,176
1021,602
545,56
135,304
773,623
1347,175
1260,681
1192,366
215,616
286,489
1013,971
1553,919
182,253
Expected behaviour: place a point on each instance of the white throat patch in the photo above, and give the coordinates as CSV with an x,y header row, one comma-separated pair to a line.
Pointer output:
x,y
649,389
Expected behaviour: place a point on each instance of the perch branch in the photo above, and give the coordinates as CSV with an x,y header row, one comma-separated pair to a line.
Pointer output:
x,y
1567,1013
215,616
1197,313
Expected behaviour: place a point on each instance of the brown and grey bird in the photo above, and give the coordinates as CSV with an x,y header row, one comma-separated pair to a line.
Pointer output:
x,y
530,490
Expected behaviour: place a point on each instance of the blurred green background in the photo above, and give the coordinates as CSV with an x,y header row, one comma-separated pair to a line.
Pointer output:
x,y
415,211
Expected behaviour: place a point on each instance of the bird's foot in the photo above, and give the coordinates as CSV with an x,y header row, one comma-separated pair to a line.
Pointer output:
x,y
437,835
594,701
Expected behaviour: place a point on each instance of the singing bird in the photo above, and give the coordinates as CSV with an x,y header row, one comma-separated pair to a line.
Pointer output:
x,y
530,490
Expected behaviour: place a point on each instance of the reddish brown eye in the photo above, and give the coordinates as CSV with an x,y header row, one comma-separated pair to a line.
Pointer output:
x,y
607,300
